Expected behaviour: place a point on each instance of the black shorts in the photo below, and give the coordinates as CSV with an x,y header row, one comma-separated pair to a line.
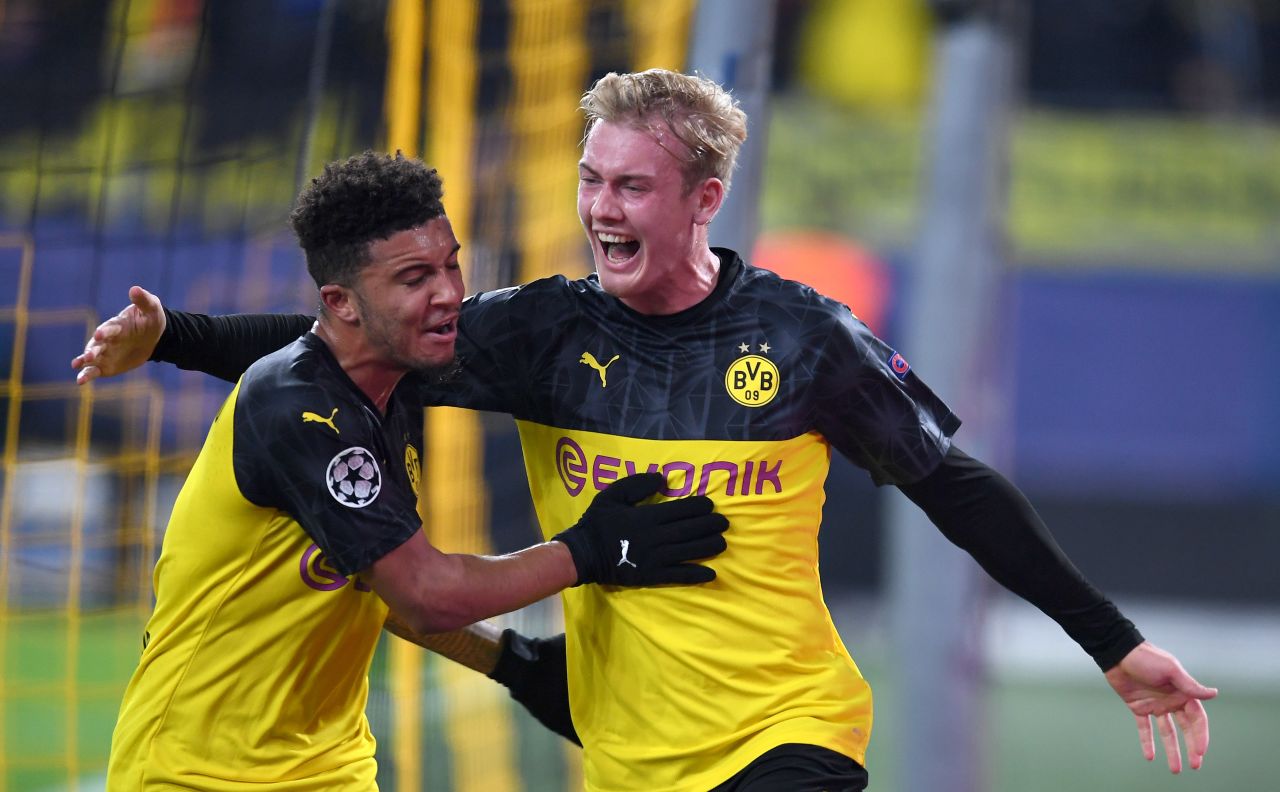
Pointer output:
x,y
796,767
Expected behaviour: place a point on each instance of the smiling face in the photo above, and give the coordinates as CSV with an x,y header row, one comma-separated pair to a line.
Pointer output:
x,y
648,233
408,296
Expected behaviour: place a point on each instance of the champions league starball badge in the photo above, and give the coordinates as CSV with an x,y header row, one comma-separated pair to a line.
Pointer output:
x,y
353,478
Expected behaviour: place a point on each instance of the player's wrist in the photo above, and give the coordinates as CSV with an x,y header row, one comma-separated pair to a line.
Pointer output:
x,y
168,342
1124,639
534,671
579,546
513,660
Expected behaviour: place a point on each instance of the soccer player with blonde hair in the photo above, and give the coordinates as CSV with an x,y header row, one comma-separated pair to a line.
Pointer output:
x,y
296,534
736,384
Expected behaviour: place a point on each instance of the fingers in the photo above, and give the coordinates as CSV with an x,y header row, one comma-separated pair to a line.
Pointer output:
x,y
87,374
680,508
145,301
685,574
672,532
108,330
1145,737
86,361
83,364
679,552
1169,740
1194,723
1187,684
120,343
141,297
632,489
101,334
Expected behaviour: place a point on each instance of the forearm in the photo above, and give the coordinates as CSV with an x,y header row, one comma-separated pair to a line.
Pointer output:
x,y
225,346
984,514
440,592
486,586
476,646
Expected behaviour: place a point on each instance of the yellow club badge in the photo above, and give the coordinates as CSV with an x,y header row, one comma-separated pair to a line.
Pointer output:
x,y
752,380
412,466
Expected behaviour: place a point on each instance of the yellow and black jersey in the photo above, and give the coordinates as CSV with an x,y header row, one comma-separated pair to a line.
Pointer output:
x,y
254,670
740,398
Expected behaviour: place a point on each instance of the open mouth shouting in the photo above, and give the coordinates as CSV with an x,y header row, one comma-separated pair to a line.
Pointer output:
x,y
618,248
446,331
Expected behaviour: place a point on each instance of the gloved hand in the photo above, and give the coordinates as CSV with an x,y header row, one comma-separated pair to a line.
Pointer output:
x,y
534,670
620,543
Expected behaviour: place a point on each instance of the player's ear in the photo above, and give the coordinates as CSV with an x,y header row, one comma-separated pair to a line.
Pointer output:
x,y
710,194
339,303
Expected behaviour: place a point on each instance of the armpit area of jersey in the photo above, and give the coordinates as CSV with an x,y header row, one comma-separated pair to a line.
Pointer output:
x,y
225,346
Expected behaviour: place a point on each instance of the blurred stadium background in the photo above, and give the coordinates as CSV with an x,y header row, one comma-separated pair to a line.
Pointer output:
x,y
160,142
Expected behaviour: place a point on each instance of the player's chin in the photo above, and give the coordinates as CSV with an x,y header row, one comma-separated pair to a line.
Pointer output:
x,y
435,361
434,351
432,368
619,283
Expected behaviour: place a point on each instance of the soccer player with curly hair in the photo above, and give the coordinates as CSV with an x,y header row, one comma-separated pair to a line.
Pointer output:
x,y
735,383
296,534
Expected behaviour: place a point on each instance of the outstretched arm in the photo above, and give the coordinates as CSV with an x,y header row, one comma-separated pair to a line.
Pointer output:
x,y
223,346
984,514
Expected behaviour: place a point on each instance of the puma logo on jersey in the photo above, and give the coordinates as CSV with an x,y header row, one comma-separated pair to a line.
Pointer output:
x,y
590,360
310,417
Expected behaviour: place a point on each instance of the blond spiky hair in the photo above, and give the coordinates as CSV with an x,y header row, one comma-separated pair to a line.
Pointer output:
x,y
698,112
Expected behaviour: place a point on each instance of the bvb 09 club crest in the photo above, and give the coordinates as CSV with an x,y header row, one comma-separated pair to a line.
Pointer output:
x,y
752,380
412,466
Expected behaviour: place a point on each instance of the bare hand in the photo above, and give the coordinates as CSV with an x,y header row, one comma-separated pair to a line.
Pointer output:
x,y
1154,684
123,342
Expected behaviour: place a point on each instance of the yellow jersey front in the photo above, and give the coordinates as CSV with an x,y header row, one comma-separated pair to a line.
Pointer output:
x,y
741,398
704,677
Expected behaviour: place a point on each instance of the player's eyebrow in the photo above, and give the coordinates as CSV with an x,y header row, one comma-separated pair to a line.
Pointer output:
x,y
408,264
625,177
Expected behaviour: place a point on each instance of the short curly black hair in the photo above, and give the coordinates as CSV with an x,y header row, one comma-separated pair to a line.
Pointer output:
x,y
357,201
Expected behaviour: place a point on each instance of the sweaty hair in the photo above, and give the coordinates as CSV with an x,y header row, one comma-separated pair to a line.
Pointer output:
x,y
701,115
356,202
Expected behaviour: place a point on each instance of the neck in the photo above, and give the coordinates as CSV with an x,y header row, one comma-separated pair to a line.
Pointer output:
x,y
374,376
698,277
704,273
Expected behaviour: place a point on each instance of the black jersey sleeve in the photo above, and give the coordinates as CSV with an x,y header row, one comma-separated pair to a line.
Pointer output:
x,y
312,452
874,409
492,353
984,514
225,346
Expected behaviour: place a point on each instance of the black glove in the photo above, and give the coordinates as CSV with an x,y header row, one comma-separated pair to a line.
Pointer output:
x,y
617,542
533,669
